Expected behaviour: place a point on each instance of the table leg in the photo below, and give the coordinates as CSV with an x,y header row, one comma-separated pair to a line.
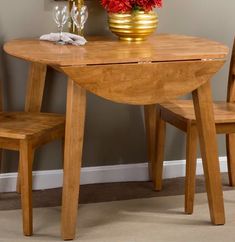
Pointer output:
x,y
160,134
75,117
207,136
150,127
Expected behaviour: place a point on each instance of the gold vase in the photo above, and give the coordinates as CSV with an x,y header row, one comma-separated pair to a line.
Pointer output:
x,y
135,26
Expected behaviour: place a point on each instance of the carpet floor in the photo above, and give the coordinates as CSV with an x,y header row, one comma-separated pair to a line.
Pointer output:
x,y
156,219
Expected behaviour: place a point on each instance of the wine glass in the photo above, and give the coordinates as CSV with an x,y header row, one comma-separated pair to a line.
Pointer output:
x,y
79,16
60,16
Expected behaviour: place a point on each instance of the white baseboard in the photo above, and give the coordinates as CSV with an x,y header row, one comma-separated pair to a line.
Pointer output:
x,y
103,174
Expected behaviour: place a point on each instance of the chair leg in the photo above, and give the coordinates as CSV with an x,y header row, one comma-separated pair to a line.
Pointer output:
x,y
26,157
230,146
190,176
159,156
18,185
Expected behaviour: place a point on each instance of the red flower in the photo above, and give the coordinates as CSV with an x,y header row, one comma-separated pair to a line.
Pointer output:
x,y
148,5
123,6
105,3
117,6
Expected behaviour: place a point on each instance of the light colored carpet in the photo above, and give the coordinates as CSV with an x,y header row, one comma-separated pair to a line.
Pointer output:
x,y
156,219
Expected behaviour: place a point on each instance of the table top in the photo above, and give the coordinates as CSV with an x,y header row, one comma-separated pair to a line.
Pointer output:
x,y
103,50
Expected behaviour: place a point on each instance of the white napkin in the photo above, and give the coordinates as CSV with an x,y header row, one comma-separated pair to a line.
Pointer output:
x,y
68,38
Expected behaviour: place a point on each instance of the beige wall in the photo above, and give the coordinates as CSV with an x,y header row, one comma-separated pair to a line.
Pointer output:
x,y
114,133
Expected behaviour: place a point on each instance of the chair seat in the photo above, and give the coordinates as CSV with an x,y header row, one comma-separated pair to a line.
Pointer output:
x,y
223,112
22,125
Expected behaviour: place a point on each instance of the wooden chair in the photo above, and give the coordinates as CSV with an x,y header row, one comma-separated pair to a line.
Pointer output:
x,y
180,113
24,132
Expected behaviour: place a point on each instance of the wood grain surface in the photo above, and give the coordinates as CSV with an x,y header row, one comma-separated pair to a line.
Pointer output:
x,y
223,112
162,47
143,84
23,125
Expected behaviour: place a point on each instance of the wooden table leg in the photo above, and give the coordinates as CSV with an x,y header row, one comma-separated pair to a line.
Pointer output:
x,y
74,131
150,127
207,136
34,95
160,134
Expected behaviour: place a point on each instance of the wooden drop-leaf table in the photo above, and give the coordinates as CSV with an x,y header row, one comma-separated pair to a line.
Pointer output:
x,y
162,68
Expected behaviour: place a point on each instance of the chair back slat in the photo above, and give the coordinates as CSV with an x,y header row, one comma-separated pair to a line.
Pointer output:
x,y
231,77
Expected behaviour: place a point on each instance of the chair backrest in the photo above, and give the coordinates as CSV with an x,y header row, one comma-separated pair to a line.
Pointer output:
x,y
231,77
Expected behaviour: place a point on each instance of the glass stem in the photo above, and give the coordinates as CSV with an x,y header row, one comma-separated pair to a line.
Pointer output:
x,y
61,32
80,27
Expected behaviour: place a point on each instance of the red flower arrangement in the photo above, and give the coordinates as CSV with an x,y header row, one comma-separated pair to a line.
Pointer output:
x,y
124,6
